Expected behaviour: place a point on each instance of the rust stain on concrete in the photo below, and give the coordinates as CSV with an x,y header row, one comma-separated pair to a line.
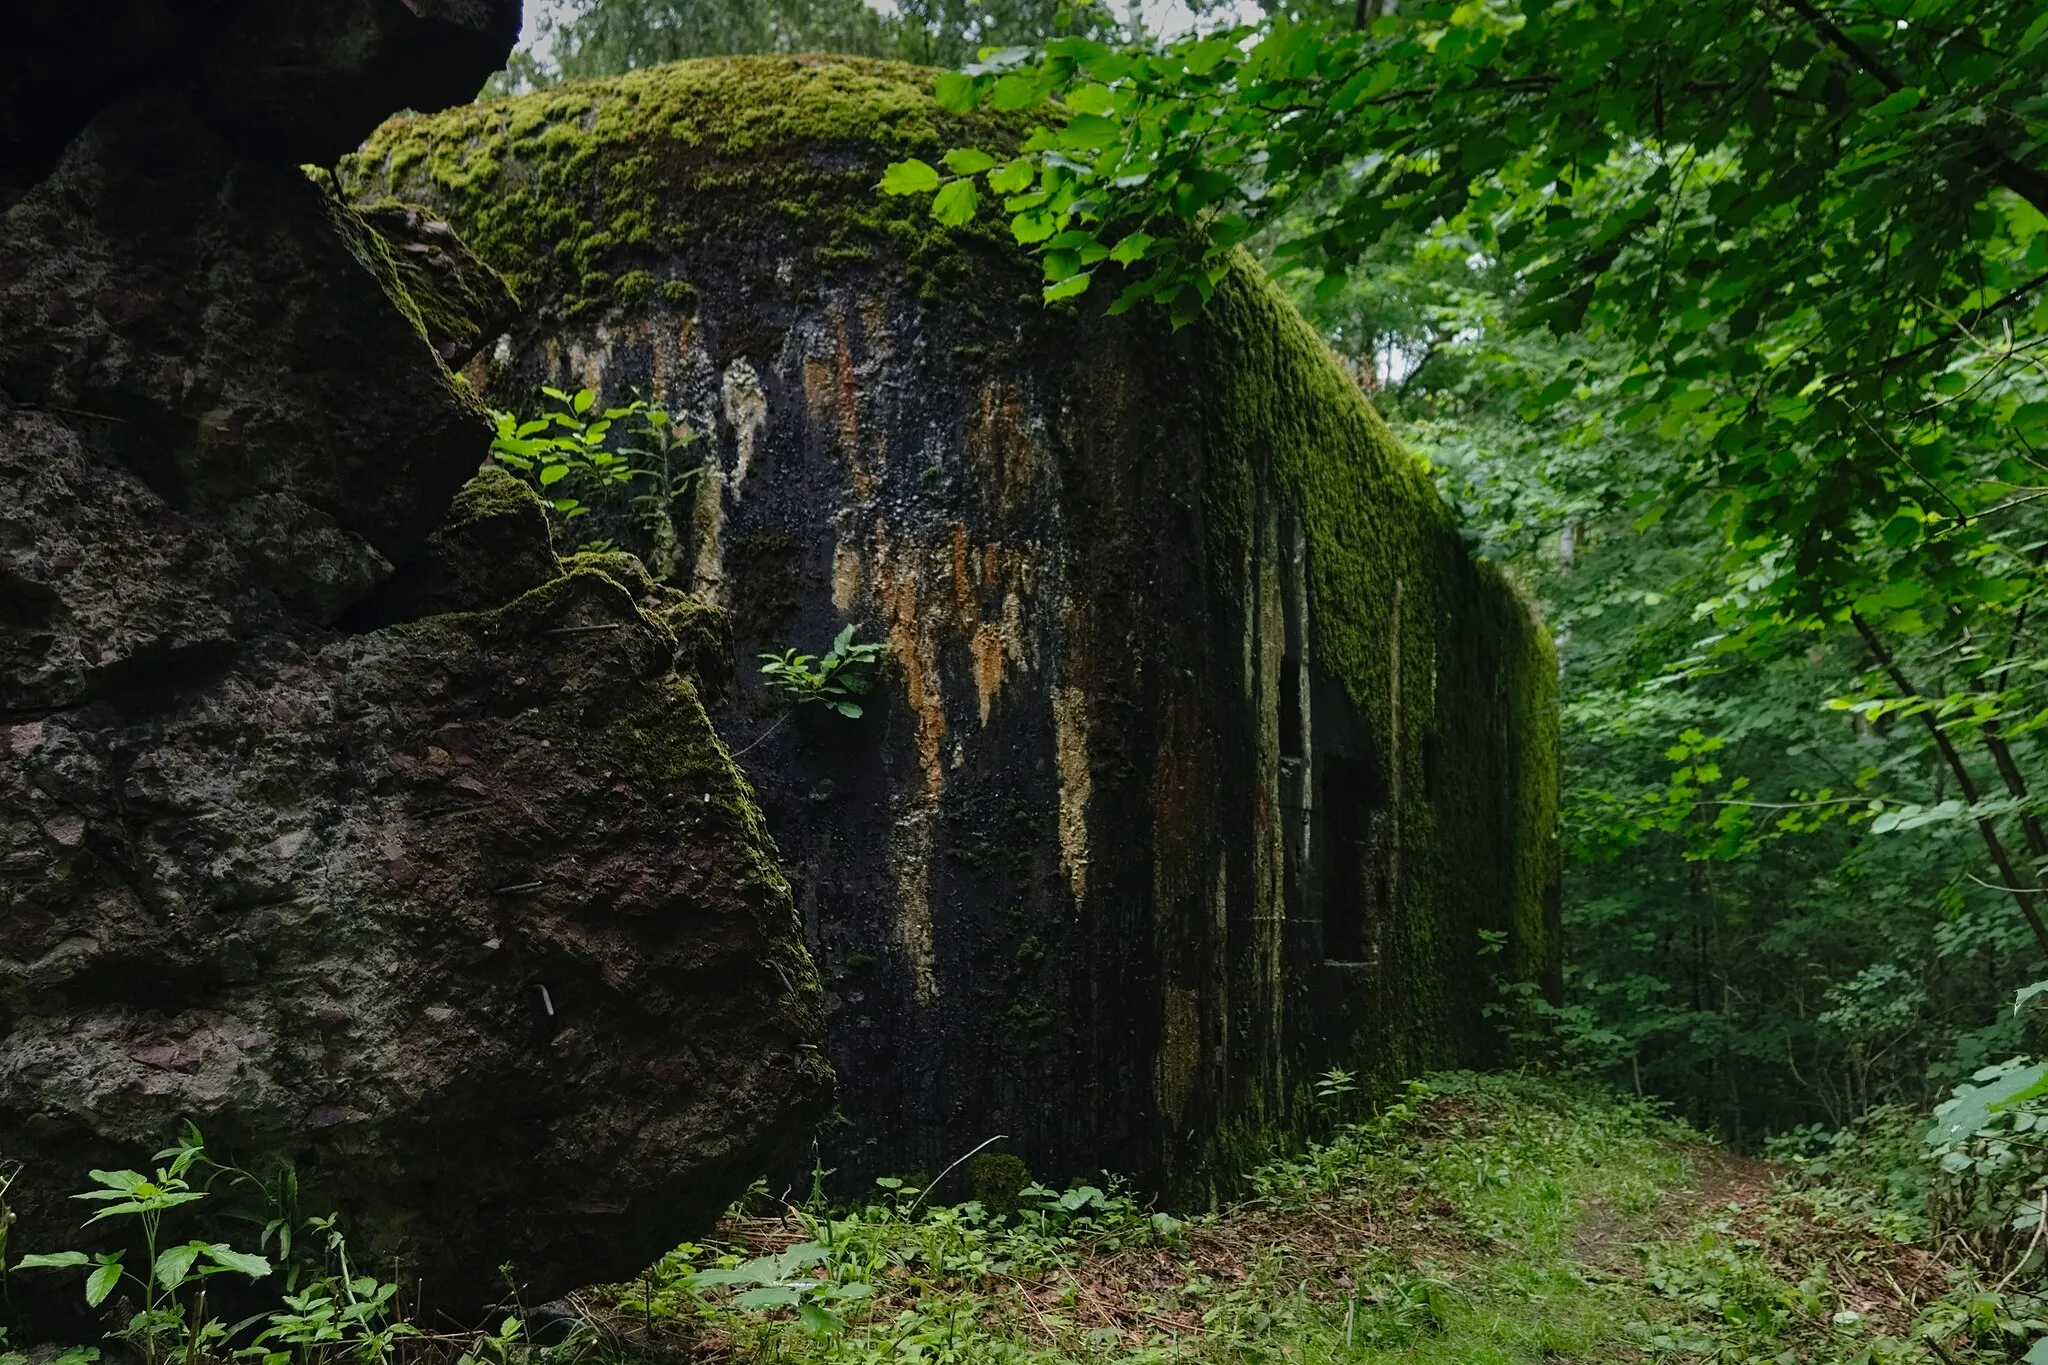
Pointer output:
x,y
707,527
911,862
746,410
1077,783
846,574
963,583
586,364
986,645
1180,1052
832,399
915,646
849,387
874,321
1003,448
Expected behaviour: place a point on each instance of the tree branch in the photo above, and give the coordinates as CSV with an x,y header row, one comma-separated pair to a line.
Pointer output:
x,y
2023,897
2022,179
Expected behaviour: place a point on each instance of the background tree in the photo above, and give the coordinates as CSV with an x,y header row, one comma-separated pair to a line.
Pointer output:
x,y
605,37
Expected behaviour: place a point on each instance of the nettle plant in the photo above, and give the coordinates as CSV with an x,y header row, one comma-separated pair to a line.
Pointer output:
x,y
328,1310
170,1281
843,673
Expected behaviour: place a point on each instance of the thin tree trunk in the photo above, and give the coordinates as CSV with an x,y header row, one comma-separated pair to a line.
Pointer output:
x,y
1994,737
2015,782
2023,896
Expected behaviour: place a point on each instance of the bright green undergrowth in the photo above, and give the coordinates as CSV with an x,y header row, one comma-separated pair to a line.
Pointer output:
x,y
1481,1219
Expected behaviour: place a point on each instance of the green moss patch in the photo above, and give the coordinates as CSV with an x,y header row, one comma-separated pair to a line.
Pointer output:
x,y
586,193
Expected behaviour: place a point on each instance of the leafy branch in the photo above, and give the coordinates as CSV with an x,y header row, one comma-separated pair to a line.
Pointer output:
x,y
834,680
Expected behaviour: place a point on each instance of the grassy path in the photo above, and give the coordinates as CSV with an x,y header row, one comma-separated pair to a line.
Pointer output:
x,y
1485,1221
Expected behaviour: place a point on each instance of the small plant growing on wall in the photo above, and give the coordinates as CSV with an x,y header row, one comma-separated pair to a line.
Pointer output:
x,y
580,453
845,672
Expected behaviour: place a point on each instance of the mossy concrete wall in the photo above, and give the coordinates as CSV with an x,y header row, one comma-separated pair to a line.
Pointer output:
x,y
1204,757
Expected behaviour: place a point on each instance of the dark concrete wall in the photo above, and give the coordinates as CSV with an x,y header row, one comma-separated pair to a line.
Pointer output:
x,y
1203,752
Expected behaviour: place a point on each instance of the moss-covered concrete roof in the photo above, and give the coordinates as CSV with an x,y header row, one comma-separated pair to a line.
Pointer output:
x,y
583,191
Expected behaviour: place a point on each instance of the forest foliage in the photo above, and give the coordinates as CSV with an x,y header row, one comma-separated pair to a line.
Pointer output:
x,y
606,37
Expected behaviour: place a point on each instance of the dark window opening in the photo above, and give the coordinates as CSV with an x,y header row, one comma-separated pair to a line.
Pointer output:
x,y
1348,860
1291,728
1352,820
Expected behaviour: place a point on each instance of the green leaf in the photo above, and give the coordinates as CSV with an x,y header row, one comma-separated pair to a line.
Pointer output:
x,y
1367,85
955,203
1131,248
583,401
968,161
1901,530
1902,593
553,474
820,1322
102,1283
1011,178
910,177
2037,1354
241,1262
1207,55
768,1296
1973,1105
1061,263
1089,132
55,1260
1090,99
1067,288
1898,102
173,1264
1014,91
955,91
1032,227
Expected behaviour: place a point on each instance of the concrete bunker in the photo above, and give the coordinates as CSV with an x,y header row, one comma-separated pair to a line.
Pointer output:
x,y
1204,752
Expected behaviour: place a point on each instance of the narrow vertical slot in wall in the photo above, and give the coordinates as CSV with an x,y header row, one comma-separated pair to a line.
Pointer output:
x,y
1351,825
1292,727
1296,794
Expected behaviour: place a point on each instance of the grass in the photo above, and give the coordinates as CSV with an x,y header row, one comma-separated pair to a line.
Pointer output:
x,y
1484,1220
